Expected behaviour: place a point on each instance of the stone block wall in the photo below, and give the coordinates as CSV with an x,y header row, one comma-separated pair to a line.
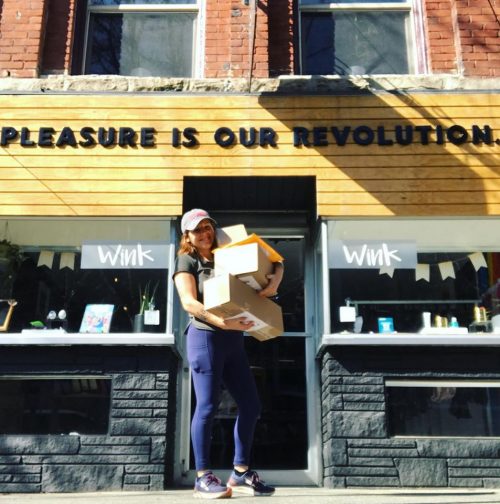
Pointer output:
x,y
137,451
357,450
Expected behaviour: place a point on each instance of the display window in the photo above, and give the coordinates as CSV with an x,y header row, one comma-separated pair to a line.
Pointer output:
x,y
414,276
85,275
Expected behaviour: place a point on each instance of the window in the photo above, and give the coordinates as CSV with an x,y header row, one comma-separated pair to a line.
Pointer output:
x,y
443,408
50,276
455,274
356,37
141,37
48,405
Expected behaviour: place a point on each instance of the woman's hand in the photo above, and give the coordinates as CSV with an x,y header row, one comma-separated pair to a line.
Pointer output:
x,y
238,324
271,289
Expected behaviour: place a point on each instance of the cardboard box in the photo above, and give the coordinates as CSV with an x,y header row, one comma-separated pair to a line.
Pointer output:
x,y
237,235
227,297
231,234
247,262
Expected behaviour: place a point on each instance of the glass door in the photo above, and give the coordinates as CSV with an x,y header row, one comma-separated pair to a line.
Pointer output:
x,y
287,435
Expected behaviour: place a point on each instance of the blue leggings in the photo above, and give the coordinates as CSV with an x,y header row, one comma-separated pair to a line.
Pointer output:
x,y
216,358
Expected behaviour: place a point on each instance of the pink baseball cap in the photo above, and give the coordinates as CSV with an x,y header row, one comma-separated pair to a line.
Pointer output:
x,y
193,217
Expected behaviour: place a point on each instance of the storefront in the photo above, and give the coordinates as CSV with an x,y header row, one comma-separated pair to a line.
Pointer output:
x,y
385,207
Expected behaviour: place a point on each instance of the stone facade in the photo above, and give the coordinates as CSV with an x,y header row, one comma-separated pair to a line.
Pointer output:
x,y
137,452
357,450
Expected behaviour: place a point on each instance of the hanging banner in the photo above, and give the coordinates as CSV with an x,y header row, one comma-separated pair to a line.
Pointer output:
x,y
423,272
370,254
447,270
125,255
478,261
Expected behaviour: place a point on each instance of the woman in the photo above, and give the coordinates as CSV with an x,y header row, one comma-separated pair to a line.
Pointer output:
x,y
216,356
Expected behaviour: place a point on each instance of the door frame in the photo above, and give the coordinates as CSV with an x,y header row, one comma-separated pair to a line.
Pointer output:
x,y
313,474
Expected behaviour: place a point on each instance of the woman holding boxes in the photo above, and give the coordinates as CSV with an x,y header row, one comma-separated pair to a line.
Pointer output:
x,y
217,356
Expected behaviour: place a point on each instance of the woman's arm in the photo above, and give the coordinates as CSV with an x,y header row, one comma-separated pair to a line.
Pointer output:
x,y
271,289
186,287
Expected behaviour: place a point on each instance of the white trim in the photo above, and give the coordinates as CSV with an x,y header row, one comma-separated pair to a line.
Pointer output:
x,y
114,9
410,339
325,278
443,383
405,6
58,337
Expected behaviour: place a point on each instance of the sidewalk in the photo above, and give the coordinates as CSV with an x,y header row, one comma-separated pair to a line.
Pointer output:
x,y
285,495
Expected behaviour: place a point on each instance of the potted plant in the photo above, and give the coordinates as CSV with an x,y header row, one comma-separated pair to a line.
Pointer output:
x,y
146,302
11,258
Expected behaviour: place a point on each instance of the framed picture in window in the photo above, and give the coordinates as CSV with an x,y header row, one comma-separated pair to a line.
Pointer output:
x,y
97,318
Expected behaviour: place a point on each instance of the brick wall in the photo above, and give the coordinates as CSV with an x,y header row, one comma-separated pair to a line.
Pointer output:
x,y
21,35
56,57
356,448
137,452
479,25
282,31
463,36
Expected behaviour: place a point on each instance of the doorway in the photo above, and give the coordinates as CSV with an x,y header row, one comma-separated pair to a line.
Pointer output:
x,y
287,438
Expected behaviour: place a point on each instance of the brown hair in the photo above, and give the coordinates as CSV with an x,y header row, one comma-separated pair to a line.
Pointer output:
x,y
186,247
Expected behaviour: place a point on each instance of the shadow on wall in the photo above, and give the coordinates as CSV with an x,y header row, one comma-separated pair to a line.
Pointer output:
x,y
397,153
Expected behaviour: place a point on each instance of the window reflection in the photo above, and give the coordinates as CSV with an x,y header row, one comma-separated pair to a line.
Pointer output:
x,y
55,406
354,42
444,410
141,44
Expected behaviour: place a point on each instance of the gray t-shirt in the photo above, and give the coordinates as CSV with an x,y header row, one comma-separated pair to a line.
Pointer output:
x,y
202,270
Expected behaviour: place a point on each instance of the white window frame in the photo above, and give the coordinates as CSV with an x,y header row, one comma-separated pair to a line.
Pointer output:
x,y
454,240
199,31
416,46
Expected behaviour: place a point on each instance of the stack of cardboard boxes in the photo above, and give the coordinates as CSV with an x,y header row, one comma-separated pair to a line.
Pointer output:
x,y
242,263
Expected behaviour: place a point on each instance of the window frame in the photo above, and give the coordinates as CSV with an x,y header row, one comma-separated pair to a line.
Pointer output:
x,y
164,338
329,338
415,43
198,36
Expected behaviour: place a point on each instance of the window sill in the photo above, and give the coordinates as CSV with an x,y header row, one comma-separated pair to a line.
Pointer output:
x,y
56,337
411,339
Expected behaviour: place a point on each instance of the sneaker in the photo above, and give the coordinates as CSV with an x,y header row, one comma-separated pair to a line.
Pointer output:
x,y
250,484
209,486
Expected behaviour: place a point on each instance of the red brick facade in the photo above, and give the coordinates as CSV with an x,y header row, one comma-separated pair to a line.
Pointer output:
x,y
21,35
463,36
37,37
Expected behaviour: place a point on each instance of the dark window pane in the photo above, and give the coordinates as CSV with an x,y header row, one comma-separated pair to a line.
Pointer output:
x,y
354,43
447,410
436,295
141,44
39,289
54,406
291,290
318,51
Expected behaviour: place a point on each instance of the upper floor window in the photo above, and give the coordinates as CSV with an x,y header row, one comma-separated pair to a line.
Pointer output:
x,y
351,37
141,37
